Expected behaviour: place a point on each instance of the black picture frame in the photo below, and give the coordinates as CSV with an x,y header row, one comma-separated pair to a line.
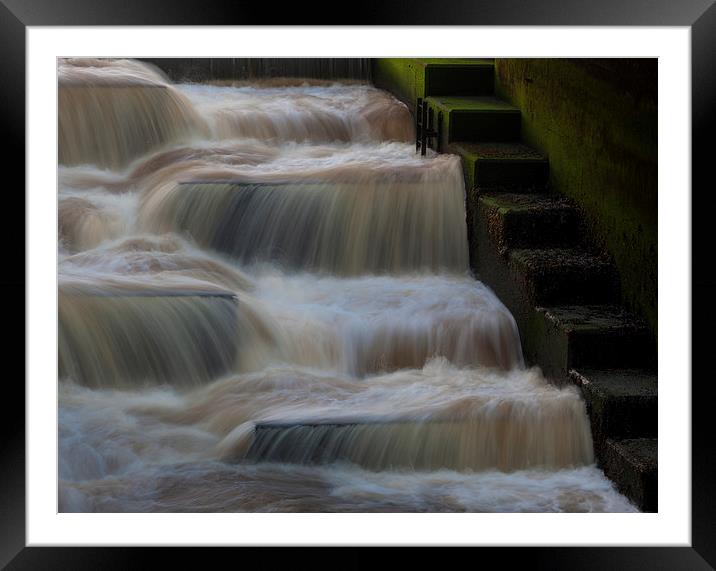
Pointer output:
x,y
699,15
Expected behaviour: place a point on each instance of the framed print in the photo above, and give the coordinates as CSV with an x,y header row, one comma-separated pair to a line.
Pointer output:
x,y
397,283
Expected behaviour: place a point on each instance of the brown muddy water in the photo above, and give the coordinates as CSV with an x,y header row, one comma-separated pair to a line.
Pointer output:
x,y
265,305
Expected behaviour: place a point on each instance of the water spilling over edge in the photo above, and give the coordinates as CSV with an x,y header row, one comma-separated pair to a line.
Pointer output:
x,y
205,237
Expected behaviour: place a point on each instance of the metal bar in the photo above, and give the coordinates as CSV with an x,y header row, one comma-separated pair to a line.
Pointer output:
x,y
423,133
418,124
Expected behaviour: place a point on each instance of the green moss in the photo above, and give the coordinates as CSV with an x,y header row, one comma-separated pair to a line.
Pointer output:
x,y
601,140
467,104
404,77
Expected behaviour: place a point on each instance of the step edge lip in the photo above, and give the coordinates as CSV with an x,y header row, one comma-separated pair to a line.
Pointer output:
x,y
614,444
526,209
600,390
625,320
503,107
598,266
586,372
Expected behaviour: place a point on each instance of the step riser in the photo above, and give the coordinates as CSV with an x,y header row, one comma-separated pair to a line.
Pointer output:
x,y
510,175
622,418
459,80
483,127
567,286
614,414
561,351
504,167
612,350
529,229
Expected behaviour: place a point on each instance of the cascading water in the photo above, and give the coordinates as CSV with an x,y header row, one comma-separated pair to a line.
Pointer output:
x,y
265,305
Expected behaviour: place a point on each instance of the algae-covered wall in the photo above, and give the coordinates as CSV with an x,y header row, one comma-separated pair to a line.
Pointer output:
x,y
596,120
401,76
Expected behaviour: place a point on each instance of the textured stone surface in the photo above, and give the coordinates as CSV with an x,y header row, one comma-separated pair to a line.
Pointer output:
x,y
632,464
530,220
590,336
564,275
621,403
560,335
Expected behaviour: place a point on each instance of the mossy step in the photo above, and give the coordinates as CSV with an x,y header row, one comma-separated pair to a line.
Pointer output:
x,y
413,78
475,119
458,77
505,167
589,337
536,220
632,464
621,403
564,275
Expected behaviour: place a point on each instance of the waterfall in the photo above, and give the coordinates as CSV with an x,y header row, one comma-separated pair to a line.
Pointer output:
x,y
265,304
109,119
371,225
109,340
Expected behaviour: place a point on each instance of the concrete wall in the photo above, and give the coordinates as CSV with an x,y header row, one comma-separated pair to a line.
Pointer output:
x,y
207,69
596,120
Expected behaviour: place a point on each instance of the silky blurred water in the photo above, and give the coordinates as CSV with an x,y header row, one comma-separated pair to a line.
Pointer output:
x,y
265,305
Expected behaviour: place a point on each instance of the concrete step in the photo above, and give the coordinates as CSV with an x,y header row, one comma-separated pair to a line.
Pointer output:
x,y
622,403
506,167
534,220
589,337
564,275
413,78
632,465
457,77
475,119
